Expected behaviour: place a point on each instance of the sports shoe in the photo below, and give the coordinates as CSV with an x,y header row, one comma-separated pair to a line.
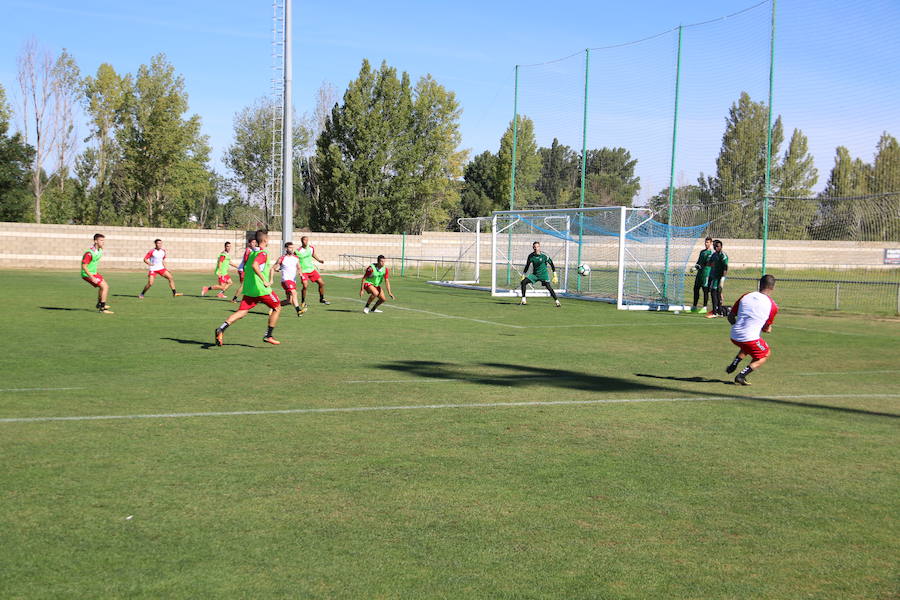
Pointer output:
x,y
711,316
377,310
234,300
140,296
739,379
366,309
303,308
524,301
558,304
178,294
221,295
204,290
299,313
702,311
731,368
220,337
105,310
323,301
271,340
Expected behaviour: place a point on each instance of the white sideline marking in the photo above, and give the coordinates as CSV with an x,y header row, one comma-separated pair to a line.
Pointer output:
x,y
295,411
849,372
39,389
436,314
423,380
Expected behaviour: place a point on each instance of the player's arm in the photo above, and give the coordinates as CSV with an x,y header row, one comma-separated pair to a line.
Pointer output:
x,y
527,264
732,314
387,282
767,328
552,266
278,262
147,258
316,256
362,282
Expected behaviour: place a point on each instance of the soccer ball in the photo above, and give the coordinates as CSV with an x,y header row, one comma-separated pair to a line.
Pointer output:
x,y
584,269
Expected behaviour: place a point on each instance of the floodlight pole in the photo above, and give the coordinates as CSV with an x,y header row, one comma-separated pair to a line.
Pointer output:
x,y
287,133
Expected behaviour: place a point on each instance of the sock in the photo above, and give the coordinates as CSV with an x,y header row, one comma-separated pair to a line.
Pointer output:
x,y
736,361
745,371
173,292
297,308
269,332
223,326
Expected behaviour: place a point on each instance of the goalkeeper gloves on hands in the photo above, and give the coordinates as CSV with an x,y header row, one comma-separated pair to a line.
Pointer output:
x,y
555,279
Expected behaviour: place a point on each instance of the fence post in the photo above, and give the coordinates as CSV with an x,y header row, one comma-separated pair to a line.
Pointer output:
x,y
403,255
898,299
765,214
837,296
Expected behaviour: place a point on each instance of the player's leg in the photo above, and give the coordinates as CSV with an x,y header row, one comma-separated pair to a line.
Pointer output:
x,y
246,305
304,284
171,279
240,287
705,297
151,277
272,302
381,299
550,289
696,294
102,294
741,355
759,352
373,295
524,285
321,284
716,301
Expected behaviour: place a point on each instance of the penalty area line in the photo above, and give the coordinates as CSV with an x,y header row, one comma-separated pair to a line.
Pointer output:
x,y
39,389
359,409
437,314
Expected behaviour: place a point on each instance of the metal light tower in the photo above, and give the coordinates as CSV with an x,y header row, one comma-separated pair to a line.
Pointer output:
x,y
287,132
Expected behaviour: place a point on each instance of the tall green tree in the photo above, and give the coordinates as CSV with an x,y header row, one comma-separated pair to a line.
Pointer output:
x,y
560,172
479,186
792,210
528,164
884,220
610,178
741,166
15,158
386,159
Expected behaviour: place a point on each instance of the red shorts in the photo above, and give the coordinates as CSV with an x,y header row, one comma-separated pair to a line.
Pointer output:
x,y
241,275
372,289
224,279
311,276
157,272
97,279
756,349
270,300
289,285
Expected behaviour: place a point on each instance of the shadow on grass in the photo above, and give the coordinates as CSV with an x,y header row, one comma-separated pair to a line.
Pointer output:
x,y
688,379
203,345
124,295
342,310
69,309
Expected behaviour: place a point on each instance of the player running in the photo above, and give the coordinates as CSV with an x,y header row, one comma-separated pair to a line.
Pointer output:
x,y
718,267
89,263
701,280
248,249
750,316
538,262
223,263
309,272
156,261
257,288
289,264
375,275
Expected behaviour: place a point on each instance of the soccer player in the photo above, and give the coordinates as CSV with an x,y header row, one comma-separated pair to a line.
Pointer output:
x,y
538,262
701,280
156,260
718,267
250,247
375,275
750,316
289,264
223,263
257,288
89,273
309,272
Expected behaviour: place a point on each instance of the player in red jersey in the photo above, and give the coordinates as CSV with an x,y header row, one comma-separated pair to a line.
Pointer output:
x,y
248,249
89,263
751,316
257,288
156,261
223,263
288,264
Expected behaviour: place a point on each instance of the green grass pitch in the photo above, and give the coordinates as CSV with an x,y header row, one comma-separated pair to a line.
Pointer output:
x,y
488,450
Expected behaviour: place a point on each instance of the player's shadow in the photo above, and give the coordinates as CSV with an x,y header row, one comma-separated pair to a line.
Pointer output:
x,y
124,295
203,345
688,379
68,309
519,376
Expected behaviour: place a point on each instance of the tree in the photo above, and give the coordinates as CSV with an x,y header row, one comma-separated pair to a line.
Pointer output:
x,y
387,156
65,77
741,166
479,183
15,157
528,164
560,173
610,178
790,213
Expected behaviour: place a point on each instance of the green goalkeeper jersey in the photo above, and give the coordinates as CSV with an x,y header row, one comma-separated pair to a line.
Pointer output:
x,y
703,264
718,265
539,263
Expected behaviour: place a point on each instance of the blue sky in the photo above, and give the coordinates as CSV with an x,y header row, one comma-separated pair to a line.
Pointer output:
x,y
837,73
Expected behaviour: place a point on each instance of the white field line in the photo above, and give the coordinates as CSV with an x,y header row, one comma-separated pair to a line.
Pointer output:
x,y
39,389
436,314
353,409
849,372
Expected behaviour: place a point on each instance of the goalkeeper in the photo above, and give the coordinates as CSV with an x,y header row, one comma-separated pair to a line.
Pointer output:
x,y
538,261
701,280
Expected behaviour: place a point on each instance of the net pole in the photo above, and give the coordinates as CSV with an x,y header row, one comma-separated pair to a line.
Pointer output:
x,y
587,70
512,178
287,145
672,167
620,282
768,199
403,254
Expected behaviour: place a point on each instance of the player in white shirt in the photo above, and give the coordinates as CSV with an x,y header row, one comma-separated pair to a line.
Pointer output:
x,y
289,266
156,261
751,316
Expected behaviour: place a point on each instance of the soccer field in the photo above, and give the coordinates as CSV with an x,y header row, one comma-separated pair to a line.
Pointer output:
x,y
454,446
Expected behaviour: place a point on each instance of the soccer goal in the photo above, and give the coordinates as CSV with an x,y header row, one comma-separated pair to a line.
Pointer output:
x,y
616,254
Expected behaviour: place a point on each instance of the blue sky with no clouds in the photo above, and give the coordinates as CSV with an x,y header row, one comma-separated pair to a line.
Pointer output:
x,y
837,75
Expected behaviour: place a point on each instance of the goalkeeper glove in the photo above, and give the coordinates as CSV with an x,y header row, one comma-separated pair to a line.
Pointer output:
x,y
692,270
555,279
